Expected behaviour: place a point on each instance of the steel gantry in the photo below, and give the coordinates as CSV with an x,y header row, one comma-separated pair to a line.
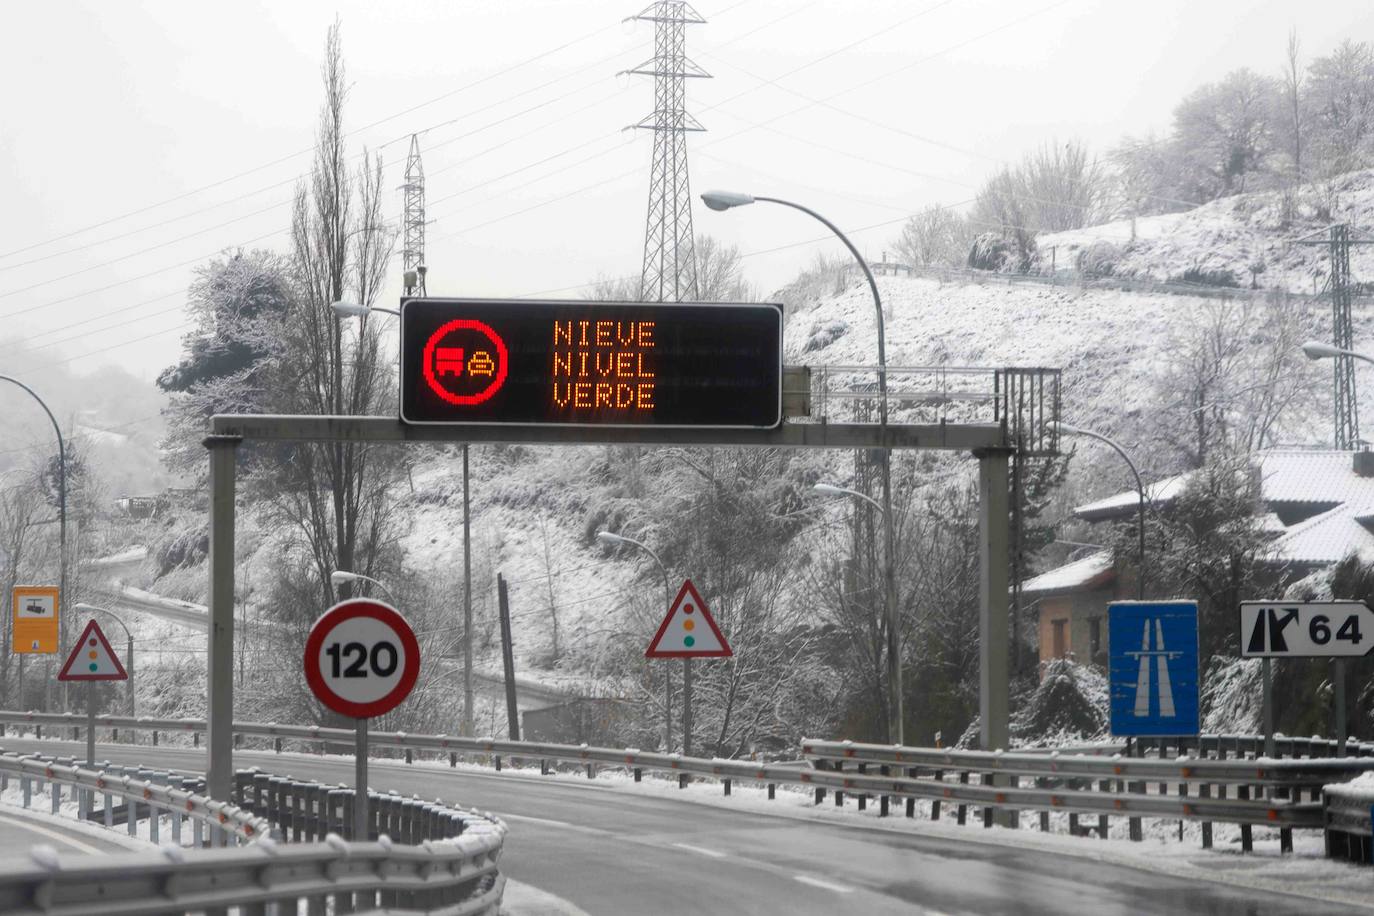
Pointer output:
x,y
989,442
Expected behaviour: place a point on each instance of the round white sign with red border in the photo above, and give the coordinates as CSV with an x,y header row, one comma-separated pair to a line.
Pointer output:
x,y
361,658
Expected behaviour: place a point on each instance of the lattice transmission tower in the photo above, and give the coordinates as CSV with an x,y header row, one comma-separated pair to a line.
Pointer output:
x,y
670,266
1346,413
413,223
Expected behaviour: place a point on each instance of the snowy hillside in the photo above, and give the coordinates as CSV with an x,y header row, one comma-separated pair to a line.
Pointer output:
x,y
1235,234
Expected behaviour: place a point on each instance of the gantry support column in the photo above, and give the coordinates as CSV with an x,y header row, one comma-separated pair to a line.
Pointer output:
x,y
219,738
993,581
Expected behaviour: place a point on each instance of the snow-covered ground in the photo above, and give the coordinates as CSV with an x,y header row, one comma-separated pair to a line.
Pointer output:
x,y
1234,233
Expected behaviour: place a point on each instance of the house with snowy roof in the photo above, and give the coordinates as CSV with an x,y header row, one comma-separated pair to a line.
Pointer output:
x,y
1319,508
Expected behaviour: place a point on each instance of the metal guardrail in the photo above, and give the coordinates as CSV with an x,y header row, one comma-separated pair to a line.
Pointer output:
x,y
1348,829
145,796
419,857
999,787
1306,773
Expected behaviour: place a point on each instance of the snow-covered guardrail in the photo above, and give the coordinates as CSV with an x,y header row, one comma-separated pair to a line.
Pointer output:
x,y
419,857
132,796
1349,833
989,781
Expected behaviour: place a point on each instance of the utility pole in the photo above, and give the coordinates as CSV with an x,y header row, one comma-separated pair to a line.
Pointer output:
x,y
1346,415
413,224
414,271
508,660
670,270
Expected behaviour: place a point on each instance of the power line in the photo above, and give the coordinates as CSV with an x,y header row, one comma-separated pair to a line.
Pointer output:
x,y
534,59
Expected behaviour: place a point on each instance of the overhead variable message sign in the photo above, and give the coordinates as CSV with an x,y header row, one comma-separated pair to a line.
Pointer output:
x,y
361,658
1310,629
1153,668
565,363
33,619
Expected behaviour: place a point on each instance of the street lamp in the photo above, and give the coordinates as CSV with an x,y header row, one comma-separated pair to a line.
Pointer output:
x,y
607,537
339,577
346,309
725,200
1317,350
61,512
1066,429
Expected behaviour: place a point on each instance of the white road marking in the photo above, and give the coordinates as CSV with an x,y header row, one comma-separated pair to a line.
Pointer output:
x,y
540,820
53,834
817,882
701,851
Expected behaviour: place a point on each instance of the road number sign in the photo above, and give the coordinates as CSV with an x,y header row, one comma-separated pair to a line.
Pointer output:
x,y
1305,629
361,658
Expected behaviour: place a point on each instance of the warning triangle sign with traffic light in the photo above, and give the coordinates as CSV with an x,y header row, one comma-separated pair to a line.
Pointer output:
x,y
92,659
689,630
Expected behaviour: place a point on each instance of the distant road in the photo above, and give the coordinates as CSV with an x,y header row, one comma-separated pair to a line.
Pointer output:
x,y
612,852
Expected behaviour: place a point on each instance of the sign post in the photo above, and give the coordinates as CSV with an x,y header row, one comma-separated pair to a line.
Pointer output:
x,y
687,632
91,660
361,660
1306,629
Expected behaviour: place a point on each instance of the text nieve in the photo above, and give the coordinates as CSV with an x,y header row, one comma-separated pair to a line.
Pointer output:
x,y
601,365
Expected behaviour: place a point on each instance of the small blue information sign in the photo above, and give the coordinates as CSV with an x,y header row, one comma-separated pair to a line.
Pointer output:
x,y
1153,668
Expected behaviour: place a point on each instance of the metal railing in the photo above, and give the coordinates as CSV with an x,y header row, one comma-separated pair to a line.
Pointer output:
x,y
419,857
1208,787
1348,829
143,795
1241,792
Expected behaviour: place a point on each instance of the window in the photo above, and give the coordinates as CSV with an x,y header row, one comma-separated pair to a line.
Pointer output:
x,y
1095,635
1060,639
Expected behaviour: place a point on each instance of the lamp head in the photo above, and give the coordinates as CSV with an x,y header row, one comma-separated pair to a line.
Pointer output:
x,y
606,537
1315,349
345,309
339,577
724,200
829,489
1064,429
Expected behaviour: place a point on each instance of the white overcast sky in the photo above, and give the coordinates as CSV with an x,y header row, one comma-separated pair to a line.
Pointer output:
x,y
864,109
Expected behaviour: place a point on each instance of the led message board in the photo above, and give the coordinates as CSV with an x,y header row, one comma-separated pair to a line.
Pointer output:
x,y
570,363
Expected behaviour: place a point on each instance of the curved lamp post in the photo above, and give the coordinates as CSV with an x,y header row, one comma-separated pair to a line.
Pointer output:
x,y
725,200
346,309
1068,430
61,507
339,577
607,537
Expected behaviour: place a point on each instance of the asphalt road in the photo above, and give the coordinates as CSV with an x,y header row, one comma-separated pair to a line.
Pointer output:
x,y
611,852
18,834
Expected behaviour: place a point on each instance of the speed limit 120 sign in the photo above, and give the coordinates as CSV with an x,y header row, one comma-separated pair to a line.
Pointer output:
x,y
1298,629
361,658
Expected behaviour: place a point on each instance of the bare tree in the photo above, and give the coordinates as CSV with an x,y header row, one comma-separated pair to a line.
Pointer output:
x,y
1292,90
1225,132
720,272
937,236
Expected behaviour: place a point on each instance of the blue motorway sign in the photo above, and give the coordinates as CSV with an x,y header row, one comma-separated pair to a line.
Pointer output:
x,y
1153,668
